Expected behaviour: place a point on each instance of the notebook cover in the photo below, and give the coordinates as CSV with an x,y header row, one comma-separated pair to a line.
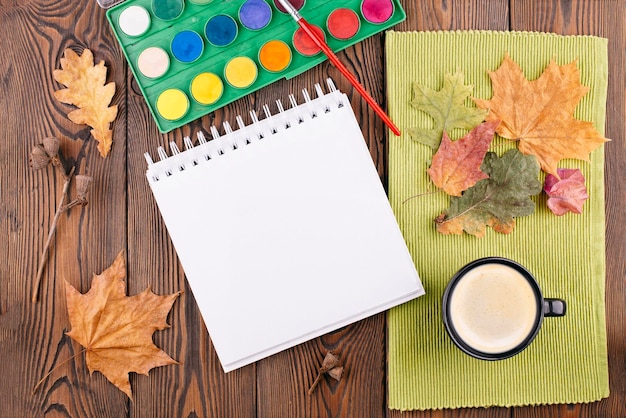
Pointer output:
x,y
287,237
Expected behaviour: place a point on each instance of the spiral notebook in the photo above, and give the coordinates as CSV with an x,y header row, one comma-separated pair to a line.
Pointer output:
x,y
283,228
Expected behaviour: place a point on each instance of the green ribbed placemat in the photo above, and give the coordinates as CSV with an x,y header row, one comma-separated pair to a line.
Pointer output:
x,y
567,362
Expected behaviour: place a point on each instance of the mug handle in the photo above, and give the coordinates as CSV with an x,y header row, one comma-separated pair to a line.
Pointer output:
x,y
554,307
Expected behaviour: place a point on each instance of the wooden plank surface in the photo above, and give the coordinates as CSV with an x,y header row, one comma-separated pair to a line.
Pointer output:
x,y
122,215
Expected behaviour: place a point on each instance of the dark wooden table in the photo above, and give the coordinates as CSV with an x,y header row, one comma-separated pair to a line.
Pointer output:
x,y
122,215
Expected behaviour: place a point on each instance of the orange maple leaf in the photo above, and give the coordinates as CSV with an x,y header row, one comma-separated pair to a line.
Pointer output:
x,y
115,329
456,165
540,113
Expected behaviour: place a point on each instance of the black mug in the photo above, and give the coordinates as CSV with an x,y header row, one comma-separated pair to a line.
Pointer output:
x,y
493,308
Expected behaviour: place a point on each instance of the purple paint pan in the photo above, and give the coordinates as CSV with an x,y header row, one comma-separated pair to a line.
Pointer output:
x,y
255,14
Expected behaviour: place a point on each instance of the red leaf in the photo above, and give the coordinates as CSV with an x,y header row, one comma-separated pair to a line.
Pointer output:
x,y
456,165
567,194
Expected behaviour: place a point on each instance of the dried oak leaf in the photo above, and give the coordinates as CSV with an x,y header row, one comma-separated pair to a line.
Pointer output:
x,y
540,113
567,194
87,91
446,107
494,201
456,165
115,329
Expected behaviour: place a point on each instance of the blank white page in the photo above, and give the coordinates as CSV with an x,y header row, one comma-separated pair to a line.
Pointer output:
x,y
288,237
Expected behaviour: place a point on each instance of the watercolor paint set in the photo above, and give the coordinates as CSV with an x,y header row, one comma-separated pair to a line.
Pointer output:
x,y
191,57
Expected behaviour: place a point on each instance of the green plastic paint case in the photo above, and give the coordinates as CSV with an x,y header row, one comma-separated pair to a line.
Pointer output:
x,y
247,43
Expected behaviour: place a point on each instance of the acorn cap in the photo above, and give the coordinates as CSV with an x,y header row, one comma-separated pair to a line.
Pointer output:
x,y
330,361
51,145
82,185
39,158
336,373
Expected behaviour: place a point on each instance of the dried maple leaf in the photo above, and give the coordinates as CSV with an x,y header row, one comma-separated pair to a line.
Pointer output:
x,y
456,165
116,330
540,113
86,90
474,223
494,201
446,107
567,194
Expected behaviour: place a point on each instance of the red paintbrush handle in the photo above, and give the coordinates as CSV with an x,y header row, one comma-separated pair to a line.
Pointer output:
x,y
342,68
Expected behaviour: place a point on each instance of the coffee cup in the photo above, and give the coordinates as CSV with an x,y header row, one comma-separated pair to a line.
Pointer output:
x,y
493,308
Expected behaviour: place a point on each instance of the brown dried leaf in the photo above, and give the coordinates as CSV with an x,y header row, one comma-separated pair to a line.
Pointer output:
x,y
474,223
115,329
87,91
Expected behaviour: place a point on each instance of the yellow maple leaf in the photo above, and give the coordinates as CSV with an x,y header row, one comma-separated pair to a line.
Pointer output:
x,y
540,113
86,89
115,329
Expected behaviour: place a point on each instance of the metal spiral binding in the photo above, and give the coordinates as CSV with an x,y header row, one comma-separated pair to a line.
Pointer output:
x,y
233,140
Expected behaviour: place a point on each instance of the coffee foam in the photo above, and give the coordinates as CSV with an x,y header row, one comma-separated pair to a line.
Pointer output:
x,y
493,308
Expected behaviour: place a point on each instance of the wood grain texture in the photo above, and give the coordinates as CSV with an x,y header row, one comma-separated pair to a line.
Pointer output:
x,y
123,215
85,241
433,15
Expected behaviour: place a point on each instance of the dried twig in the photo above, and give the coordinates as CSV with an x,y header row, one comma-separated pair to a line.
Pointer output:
x,y
331,366
41,156
53,227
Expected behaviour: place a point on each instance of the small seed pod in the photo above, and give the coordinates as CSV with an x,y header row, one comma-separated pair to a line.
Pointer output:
x,y
82,186
336,373
51,145
39,158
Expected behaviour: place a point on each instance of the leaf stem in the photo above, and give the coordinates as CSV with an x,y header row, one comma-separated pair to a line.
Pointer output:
x,y
53,226
43,379
420,195
470,208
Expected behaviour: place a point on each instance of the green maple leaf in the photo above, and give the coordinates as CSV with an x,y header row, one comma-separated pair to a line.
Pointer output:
x,y
497,200
446,107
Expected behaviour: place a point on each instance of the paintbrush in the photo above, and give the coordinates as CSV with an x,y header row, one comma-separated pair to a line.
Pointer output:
x,y
306,27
